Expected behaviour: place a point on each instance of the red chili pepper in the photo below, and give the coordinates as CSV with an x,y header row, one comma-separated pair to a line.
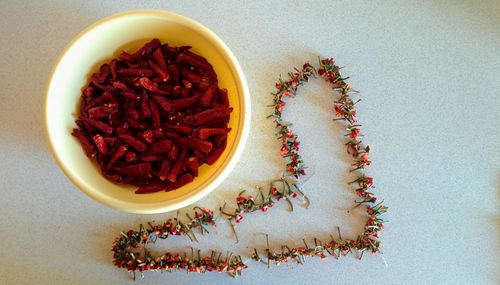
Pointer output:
x,y
215,154
164,103
117,155
133,142
112,67
150,188
130,156
160,59
133,113
174,152
113,177
165,168
135,72
193,165
177,166
219,140
88,147
181,181
130,95
135,170
196,60
102,75
155,114
145,109
223,97
147,136
180,104
106,97
110,140
177,91
212,114
102,147
184,130
181,58
151,86
201,145
205,133
122,128
103,127
209,94
174,72
160,147
204,83
162,72
216,123
101,111
185,92
88,91
151,158
191,76
135,124
187,84
145,50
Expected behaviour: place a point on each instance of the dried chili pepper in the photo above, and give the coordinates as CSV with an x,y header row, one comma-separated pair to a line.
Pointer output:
x,y
177,166
205,133
89,148
160,147
212,114
152,117
150,188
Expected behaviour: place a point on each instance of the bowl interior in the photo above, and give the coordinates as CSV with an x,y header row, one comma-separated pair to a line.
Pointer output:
x,y
104,41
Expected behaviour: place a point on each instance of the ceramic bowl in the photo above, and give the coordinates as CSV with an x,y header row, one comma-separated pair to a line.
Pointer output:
x,y
103,41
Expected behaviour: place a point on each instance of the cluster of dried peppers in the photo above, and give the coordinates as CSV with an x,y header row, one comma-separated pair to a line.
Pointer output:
x,y
285,188
152,118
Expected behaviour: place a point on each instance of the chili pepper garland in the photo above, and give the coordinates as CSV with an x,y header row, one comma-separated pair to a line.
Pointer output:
x,y
130,250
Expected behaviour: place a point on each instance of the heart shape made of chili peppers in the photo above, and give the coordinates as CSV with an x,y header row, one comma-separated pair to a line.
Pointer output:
x,y
130,249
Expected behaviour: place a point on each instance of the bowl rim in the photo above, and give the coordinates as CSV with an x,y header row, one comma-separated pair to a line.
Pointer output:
x,y
165,206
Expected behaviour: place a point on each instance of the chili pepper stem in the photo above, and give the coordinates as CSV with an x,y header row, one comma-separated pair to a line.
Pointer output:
x,y
233,226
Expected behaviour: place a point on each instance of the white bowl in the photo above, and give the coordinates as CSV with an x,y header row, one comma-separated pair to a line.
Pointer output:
x,y
101,42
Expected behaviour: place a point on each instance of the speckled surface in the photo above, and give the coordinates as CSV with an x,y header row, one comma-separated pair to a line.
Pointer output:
x,y
429,76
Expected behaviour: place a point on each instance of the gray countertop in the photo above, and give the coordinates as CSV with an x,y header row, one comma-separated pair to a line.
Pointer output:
x,y
429,77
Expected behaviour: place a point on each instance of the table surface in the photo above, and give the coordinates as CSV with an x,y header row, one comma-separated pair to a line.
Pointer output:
x,y
429,76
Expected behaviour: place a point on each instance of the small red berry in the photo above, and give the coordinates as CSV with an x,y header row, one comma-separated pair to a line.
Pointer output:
x,y
238,218
206,211
369,180
365,157
241,199
354,133
339,109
